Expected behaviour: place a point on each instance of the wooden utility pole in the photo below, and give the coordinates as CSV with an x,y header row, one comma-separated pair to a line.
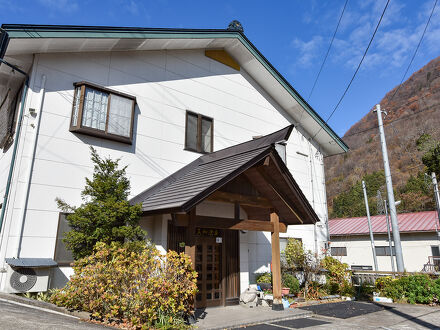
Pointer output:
x,y
276,263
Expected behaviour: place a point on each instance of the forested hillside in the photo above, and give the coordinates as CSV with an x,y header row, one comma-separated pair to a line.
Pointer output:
x,y
412,129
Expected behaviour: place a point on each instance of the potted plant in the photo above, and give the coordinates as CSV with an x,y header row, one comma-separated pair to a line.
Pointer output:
x,y
290,284
285,291
264,281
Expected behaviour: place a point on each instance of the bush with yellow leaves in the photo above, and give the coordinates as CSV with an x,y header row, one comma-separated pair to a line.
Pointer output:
x,y
131,283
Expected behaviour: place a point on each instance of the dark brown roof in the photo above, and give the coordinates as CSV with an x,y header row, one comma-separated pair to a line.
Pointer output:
x,y
189,186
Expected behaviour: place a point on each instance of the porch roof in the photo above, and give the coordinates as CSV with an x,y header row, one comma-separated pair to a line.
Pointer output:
x,y
186,188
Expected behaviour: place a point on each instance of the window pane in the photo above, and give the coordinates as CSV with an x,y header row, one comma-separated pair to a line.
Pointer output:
x,y
283,244
76,102
339,251
384,251
119,117
380,251
95,109
191,132
206,134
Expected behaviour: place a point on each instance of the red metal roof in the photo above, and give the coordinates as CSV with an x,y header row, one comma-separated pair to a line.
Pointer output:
x,y
408,222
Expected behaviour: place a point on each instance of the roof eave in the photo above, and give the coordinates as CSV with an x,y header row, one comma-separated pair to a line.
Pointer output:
x,y
383,233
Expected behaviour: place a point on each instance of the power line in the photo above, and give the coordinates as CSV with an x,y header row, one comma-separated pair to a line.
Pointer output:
x,y
403,77
328,50
390,122
415,52
357,69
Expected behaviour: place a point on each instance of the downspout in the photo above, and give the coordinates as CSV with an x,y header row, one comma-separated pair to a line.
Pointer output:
x,y
28,175
315,232
327,247
16,141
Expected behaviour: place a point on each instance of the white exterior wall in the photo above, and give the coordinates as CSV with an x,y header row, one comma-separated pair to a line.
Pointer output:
x,y
165,84
416,249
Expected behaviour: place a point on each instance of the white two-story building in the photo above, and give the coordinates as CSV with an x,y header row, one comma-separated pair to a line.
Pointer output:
x,y
177,106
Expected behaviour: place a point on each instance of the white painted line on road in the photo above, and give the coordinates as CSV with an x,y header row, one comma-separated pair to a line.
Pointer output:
x,y
38,308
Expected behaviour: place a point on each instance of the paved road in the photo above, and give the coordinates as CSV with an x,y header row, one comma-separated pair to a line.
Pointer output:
x,y
15,316
328,316
393,316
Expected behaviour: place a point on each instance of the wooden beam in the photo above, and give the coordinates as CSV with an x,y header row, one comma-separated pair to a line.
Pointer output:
x,y
276,263
181,220
226,197
285,199
222,56
267,161
234,224
190,241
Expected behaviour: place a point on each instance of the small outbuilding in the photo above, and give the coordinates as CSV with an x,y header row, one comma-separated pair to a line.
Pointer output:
x,y
350,241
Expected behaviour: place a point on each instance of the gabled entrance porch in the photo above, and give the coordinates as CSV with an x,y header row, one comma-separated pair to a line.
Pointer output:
x,y
242,188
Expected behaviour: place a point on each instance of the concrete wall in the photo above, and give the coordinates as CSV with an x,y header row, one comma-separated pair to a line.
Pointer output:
x,y
416,249
165,84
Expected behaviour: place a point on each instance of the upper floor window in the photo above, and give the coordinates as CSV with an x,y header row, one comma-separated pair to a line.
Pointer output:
x,y
102,112
199,133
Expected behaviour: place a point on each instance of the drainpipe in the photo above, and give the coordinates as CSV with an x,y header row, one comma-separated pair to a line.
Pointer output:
x,y
28,175
327,246
315,232
16,141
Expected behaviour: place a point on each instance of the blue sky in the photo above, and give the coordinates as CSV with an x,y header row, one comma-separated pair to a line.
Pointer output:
x,y
293,35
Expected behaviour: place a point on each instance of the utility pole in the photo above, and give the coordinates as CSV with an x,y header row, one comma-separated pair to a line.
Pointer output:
x,y
369,226
436,195
389,236
392,205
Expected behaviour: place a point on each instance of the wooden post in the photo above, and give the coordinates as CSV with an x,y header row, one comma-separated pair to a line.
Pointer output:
x,y
190,249
276,263
190,240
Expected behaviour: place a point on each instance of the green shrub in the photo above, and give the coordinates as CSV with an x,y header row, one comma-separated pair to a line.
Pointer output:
x,y
264,278
291,282
106,215
294,255
313,291
415,289
365,291
347,289
338,277
332,288
131,283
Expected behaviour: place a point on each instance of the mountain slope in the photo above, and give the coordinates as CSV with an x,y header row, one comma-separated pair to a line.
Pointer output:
x,y
413,111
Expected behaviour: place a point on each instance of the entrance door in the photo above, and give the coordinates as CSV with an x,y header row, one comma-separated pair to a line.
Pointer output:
x,y
217,264
209,267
